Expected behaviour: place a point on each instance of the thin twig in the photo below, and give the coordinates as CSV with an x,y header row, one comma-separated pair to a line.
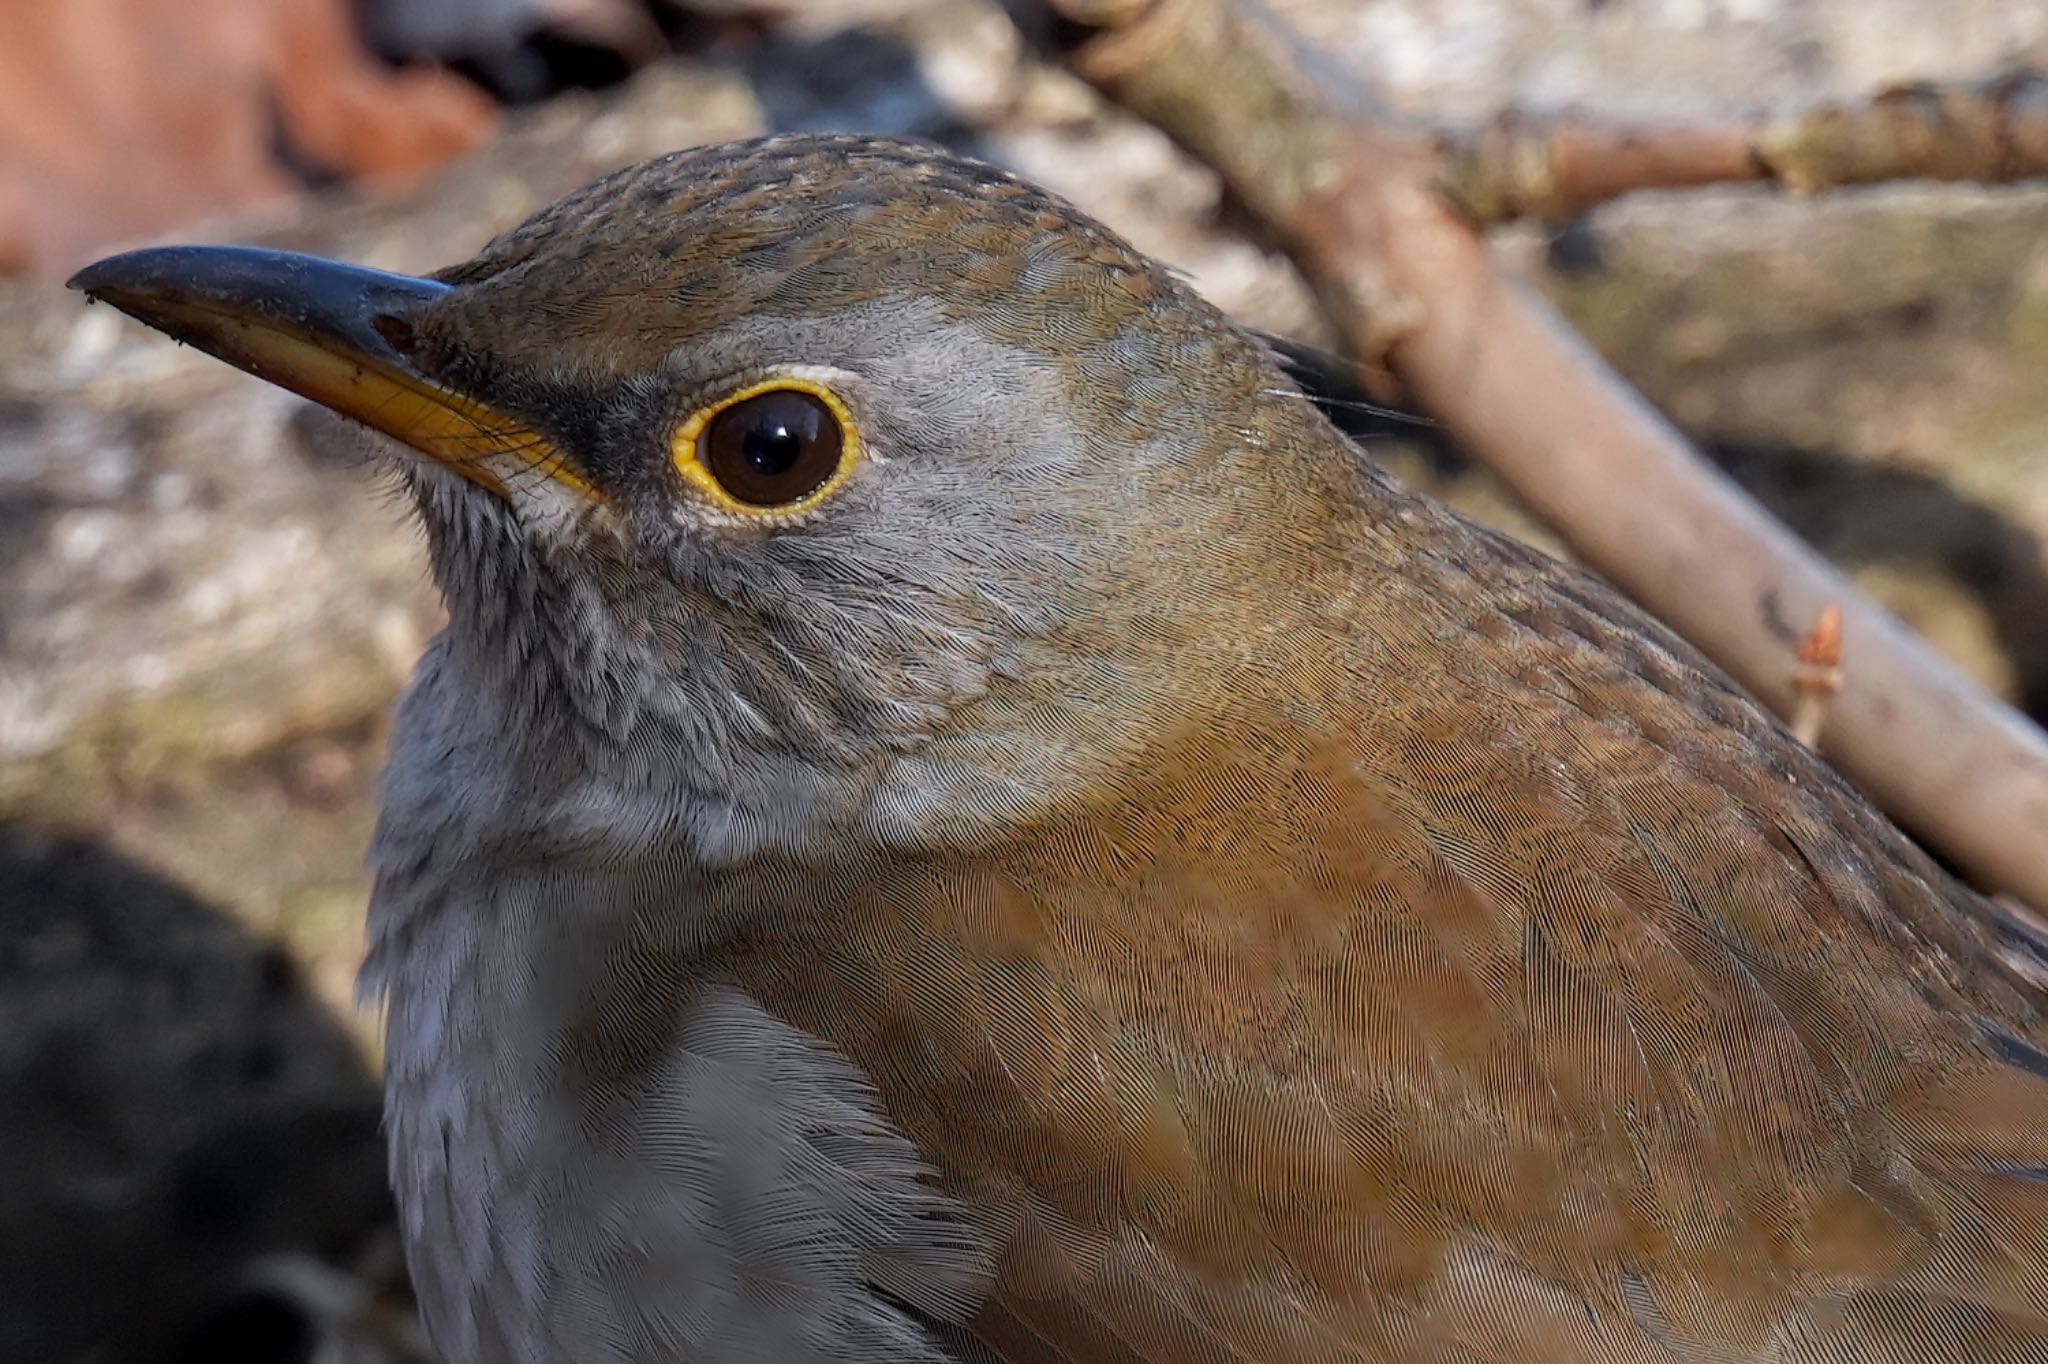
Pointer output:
x,y
1408,280
1818,675
1524,166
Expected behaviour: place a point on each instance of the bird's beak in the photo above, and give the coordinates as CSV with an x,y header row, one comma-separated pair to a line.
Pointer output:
x,y
338,334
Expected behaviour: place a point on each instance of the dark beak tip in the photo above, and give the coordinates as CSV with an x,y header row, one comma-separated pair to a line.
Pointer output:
x,y
127,271
92,281
89,280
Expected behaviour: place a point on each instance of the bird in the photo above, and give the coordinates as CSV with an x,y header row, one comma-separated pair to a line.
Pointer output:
x,y
956,818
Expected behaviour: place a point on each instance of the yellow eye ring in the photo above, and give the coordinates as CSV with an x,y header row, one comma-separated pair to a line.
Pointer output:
x,y
773,449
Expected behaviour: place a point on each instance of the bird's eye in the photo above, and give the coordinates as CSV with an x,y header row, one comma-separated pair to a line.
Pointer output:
x,y
773,448
779,446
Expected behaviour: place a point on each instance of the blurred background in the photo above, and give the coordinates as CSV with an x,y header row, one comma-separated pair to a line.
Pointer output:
x,y
207,603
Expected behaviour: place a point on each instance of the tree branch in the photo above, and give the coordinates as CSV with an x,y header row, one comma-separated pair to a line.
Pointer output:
x,y
1408,280
1526,167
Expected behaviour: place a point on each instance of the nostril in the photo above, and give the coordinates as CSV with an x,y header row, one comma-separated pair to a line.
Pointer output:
x,y
397,332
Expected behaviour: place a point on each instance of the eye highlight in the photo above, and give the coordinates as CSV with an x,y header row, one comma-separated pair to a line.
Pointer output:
x,y
772,448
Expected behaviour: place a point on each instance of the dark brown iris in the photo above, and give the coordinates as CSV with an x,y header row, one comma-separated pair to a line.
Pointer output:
x,y
773,448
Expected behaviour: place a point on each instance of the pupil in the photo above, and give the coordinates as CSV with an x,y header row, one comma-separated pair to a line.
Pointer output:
x,y
771,448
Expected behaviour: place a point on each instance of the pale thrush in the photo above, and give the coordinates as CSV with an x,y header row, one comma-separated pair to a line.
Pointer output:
x,y
957,818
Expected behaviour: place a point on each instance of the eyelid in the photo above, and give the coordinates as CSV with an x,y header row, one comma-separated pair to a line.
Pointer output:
x,y
816,383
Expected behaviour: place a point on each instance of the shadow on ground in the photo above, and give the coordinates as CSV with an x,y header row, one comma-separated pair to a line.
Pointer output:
x,y
179,1118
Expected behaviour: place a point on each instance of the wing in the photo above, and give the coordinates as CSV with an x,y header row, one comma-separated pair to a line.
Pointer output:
x,y
1518,992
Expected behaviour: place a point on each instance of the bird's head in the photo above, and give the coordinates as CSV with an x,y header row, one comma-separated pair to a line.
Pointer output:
x,y
796,483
